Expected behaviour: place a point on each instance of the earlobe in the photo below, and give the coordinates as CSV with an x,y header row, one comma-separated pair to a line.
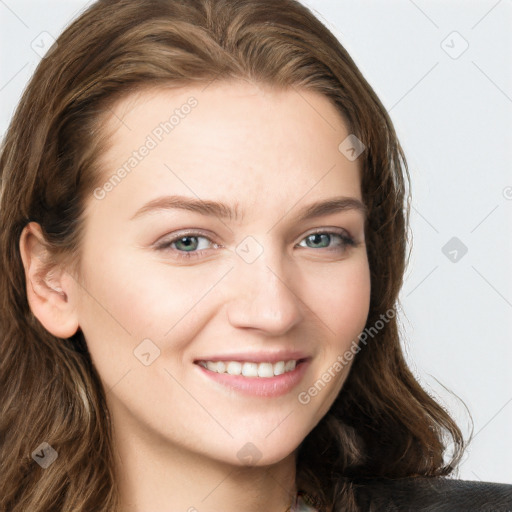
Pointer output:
x,y
48,291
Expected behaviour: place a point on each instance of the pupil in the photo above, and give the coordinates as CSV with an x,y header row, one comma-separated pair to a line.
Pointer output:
x,y
189,239
317,238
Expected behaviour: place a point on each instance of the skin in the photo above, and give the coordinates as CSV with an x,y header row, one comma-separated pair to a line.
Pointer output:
x,y
177,433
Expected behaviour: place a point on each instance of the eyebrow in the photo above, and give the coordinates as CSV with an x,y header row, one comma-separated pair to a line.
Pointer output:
x,y
224,211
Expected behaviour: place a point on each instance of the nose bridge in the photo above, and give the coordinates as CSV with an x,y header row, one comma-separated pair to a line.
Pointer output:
x,y
263,296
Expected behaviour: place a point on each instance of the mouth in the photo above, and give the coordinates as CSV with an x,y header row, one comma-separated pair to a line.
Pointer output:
x,y
262,379
264,370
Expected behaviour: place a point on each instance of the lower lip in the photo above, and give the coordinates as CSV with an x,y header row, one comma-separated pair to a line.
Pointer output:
x,y
260,386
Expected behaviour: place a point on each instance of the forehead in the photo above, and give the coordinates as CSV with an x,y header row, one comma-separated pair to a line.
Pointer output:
x,y
228,139
238,114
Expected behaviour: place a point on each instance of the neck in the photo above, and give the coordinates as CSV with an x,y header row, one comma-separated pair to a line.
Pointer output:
x,y
172,478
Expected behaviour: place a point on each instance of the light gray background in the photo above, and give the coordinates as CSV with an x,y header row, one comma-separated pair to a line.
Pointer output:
x,y
453,113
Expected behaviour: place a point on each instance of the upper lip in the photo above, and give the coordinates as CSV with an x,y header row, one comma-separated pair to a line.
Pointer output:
x,y
257,357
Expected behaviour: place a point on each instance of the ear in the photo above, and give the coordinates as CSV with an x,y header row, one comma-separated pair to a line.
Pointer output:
x,y
48,289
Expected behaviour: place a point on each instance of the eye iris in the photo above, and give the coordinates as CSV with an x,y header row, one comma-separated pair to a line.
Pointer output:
x,y
317,236
187,245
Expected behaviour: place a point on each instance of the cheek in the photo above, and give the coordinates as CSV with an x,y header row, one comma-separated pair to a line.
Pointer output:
x,y
139,296
128,299
340,296
343,303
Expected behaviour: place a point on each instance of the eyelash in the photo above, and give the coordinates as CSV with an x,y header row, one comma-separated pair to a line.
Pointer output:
x,y
346,242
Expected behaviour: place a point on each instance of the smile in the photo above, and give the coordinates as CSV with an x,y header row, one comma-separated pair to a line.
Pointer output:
x,y
249,369
264,379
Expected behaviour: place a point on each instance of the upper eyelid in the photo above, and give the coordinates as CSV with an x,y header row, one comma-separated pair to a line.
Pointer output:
x,y
193,233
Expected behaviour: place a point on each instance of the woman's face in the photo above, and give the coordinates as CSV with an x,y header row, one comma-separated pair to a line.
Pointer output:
x,y
169,287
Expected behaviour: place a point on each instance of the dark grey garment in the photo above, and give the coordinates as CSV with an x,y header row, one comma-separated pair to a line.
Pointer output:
x,y
432,495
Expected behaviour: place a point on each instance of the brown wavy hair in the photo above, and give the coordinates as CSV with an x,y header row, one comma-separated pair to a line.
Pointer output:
x,y
382,424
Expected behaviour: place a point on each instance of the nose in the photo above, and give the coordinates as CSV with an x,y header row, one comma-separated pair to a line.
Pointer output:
x,y
263,298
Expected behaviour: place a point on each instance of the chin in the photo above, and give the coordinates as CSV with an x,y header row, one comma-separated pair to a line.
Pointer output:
x,y
262,453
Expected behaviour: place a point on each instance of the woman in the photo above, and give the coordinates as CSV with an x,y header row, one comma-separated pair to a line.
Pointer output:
x,y
204,239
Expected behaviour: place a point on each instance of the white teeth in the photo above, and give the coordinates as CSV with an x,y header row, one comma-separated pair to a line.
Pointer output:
x,y
211,365
289,366
279,368
265,370
234,368
250,369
